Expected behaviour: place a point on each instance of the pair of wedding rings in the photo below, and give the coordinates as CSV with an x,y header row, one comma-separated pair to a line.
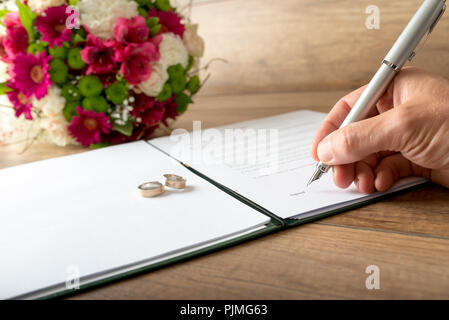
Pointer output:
x,y
155,188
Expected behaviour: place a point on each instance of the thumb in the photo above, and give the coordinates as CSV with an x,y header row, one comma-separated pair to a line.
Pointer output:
x,y
360,139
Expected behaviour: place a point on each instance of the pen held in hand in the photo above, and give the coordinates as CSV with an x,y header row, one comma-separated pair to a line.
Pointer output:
x,y
405,48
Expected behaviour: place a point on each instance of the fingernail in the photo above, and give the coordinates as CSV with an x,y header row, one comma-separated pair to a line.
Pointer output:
x,y
325,151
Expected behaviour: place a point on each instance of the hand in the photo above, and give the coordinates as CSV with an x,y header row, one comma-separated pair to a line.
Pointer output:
x,y
407,134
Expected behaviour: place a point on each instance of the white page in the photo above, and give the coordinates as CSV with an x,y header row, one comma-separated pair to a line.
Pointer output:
x,y
84,211
277,180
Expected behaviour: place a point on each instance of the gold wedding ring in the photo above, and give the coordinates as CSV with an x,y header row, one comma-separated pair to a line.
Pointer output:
x,y
151,189
174,181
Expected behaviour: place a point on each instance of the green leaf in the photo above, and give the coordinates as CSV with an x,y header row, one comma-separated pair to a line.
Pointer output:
x,y
73,2
194,84
27,17
163,5
143,2
183,101
59,52
191,62
142,11
126,129
4,88
152,21
155,30
36,47
69,110
166,93
4,13
100,145
176,71
178,84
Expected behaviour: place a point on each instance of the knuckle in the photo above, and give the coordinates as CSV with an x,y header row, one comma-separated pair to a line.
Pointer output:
x,y
404,124
347,141
403,119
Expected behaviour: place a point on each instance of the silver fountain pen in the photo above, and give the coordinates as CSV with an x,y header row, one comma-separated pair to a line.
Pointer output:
x,y
405,48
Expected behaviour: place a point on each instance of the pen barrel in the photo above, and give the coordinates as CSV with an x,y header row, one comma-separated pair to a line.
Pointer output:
x,y
421,23
372,93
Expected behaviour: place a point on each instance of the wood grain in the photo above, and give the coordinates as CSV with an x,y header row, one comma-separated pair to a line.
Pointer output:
x,y
421,212
307,45
310,262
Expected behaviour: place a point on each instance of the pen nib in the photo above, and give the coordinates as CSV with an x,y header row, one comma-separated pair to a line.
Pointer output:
x,y
314,178
320,170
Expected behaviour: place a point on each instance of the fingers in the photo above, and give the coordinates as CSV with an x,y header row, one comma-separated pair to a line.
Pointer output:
x,y
395,167
358,140
364,178
361,173
344,175
335,118
371,175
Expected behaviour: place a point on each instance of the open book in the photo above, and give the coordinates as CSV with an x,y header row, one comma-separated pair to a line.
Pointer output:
x,y
79,220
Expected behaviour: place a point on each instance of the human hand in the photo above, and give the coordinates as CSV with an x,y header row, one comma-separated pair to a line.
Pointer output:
x,y
406,134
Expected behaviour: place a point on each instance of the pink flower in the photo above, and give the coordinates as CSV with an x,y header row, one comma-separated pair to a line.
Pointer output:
x,y
12,19
88,126
136,59
148,109
169,20
20,102
52,25
16,39
30,74
99,55
132,30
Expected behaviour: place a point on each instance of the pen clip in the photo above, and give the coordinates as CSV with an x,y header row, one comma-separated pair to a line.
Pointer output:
x,y
433,25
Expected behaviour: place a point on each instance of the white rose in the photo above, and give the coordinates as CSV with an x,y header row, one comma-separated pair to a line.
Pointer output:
x,y
100,16
153,86
13,129
55,130
52,120
52,104
193,42
41,5
173,51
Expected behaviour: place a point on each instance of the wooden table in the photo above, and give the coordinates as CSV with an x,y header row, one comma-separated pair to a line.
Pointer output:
x,y
284,56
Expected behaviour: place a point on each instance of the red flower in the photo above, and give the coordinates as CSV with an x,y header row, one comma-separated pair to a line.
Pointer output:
x,y
132,30
171,110
16,39
87,127
52,25
99,55
21,103
148,109
139,133
30,73
136,59
170,21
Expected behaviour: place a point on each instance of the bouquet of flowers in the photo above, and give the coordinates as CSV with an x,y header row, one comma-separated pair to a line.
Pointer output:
x,y
96,72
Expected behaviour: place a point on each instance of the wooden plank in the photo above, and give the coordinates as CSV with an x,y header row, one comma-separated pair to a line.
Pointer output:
x,y
305,45
421,212
308,262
